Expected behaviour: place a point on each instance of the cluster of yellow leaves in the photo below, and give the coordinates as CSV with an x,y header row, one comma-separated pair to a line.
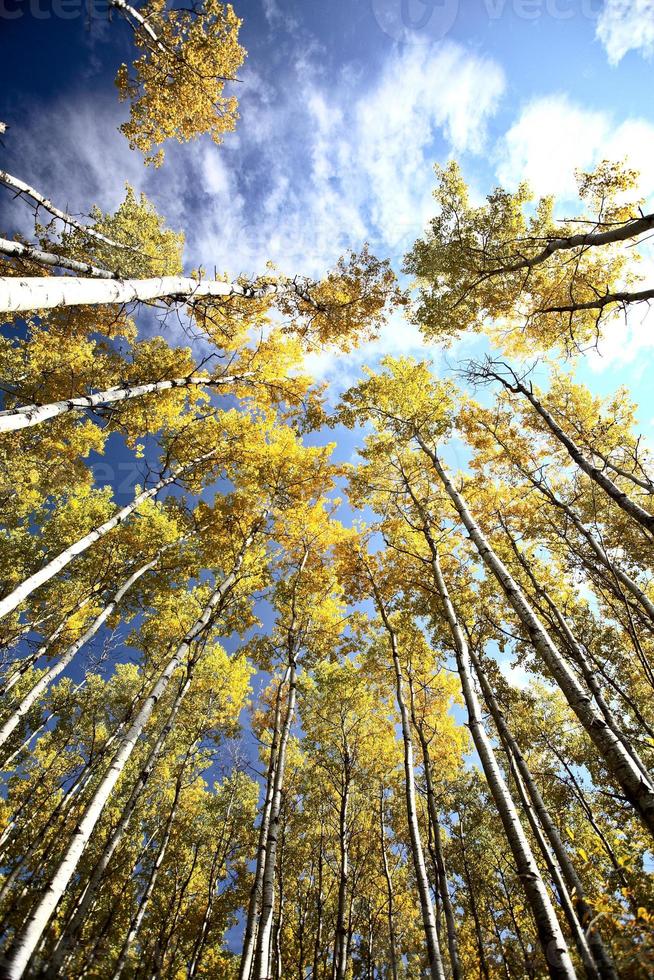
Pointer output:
x,y
176,88
474,273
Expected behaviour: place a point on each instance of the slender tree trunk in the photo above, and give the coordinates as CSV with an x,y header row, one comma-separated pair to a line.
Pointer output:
x,y
18,294
341,938
18,250
549,931
578,655
426,907
26,941
27,415
55,565
28,662
392,941
479,936
76,922
637,790
135,924
252,922
317,946
169,937
597,475
22,189
596,547
263,950
217,861
132,13
67,656
560,866
263,945
26,743
450,922
279,923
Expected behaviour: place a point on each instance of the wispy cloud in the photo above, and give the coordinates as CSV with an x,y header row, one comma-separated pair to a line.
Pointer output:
x,y
554,135
626,25
316,166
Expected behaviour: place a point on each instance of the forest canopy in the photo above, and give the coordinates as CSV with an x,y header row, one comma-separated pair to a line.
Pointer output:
x,y
255,720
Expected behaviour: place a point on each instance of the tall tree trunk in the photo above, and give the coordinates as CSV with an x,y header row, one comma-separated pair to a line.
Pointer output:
x,y
18,250
443,889
22,189
254,904
428,920
25,416
317,946
18,294
341,937
26,941
550,936
557,858
638,791
30,738
596,474
24,665
479,936
595,546
144,901
46,679
578,656
264,936
217,862
263,949
55,565
71,931
392,941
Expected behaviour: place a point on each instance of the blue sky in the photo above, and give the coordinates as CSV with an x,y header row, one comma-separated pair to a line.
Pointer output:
x,y
345,107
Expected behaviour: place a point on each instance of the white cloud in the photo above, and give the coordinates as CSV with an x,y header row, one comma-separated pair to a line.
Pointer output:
x,y
515,674
626,25
553,136
303,178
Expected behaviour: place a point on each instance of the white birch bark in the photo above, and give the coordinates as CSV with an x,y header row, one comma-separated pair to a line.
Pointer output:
x,y
25,416
550,936
596,547
19,250
570,887
251,926
263,948
71,931
128,11
450,921
56,565
27,940
20,294
434,957
341,950
24,190
620,764
390,899
264,935
28,741
622,499
67,656
135,924
28,662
